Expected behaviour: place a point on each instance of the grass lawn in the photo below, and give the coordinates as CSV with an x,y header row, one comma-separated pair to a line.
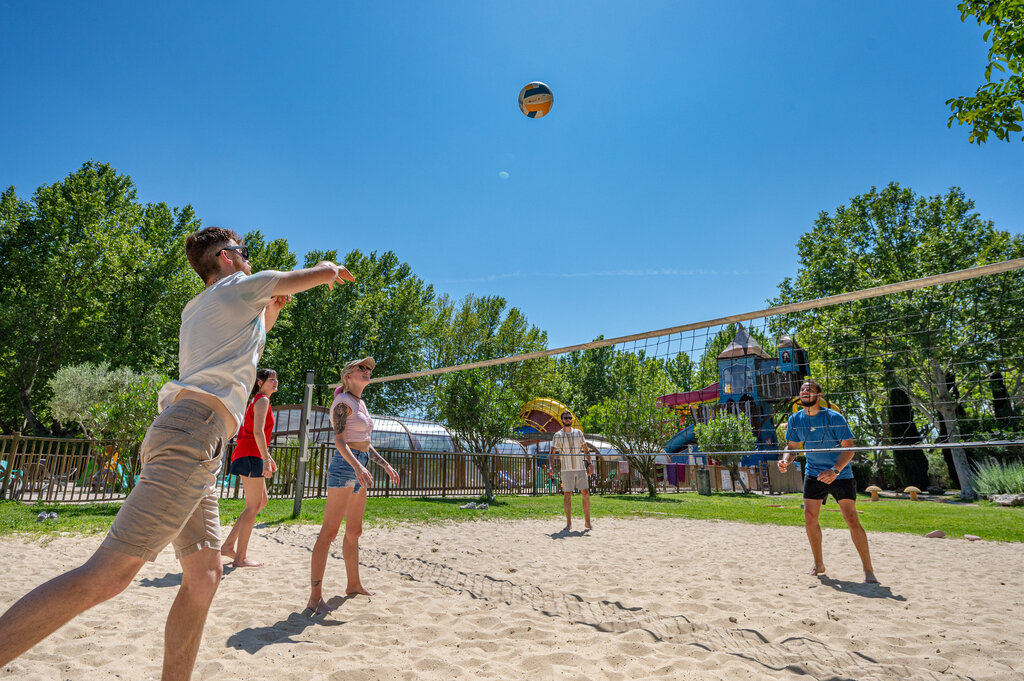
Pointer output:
x,y
888,515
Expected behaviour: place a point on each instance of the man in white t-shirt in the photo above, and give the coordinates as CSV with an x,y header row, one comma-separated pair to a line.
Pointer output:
x,y
223,331
574,457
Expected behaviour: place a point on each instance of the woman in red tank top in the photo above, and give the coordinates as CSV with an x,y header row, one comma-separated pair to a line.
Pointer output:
x,y
251,462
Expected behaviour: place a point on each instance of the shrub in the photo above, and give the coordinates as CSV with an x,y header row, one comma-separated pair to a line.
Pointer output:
x,y
999,477
726,433
116,405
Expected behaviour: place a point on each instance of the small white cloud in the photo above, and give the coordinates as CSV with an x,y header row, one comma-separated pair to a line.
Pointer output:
x,y
503,174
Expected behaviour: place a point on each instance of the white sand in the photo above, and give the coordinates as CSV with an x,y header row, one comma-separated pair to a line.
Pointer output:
x,y
653,597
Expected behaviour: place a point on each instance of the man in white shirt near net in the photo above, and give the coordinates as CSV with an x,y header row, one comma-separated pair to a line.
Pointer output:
x,y
574,457
223,332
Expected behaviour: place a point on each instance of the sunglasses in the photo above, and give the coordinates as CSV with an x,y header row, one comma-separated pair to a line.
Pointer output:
x,y
366,369
567,418
241,250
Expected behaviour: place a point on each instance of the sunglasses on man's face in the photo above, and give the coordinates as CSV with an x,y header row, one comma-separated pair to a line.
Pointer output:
x,y
241,250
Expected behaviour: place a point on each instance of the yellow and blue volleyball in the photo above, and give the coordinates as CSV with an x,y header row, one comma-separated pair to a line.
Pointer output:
x,y
535,100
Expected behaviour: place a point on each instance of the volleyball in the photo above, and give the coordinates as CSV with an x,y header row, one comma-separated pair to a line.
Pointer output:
x,y
535,100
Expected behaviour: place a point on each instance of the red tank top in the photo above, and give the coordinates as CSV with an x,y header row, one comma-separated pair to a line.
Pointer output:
x,y
246,441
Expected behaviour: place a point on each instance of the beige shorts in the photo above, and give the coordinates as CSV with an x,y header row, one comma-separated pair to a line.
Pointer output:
x,y
575,480
175,499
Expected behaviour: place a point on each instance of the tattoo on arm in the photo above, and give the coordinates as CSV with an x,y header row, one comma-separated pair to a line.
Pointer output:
x,y
340,416
377,458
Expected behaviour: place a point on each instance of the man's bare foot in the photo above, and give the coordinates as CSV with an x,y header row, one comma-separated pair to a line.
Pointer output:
x,y
227,551
319,608
588,526
869,577
816,570
246,562
359,589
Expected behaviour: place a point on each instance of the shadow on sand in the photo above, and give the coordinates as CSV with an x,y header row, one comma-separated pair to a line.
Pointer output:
x,y
253,639
566,532
862,589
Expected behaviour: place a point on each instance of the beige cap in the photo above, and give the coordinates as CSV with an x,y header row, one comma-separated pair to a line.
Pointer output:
x,y
347,369
365,361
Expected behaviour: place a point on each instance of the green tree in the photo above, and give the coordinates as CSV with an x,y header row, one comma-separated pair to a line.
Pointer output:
x,y
727,433
481,406
631,419
113,405
584,377
681,370
384,313
922,342
89,274
996,107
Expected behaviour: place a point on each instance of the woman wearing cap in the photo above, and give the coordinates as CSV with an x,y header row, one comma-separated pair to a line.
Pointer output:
x,y
347,480
252,463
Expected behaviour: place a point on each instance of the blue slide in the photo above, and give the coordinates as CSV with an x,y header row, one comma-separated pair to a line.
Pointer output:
x,y
680,440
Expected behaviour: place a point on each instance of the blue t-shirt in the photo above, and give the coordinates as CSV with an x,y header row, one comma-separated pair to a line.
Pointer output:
x,y
824,430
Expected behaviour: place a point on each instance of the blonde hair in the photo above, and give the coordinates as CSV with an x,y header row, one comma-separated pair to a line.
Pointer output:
x,y
345,371
349,368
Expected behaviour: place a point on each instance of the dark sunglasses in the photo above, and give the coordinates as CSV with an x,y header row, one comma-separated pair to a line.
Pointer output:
x,y
241,250
366,369
567,418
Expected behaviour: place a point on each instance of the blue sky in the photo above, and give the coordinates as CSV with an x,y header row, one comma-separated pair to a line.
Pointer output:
x,y
689,146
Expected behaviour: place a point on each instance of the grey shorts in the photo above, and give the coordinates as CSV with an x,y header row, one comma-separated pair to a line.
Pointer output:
x,y
575,480
175,500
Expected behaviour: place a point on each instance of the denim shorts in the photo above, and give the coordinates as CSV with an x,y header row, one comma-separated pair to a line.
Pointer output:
x,y
341,474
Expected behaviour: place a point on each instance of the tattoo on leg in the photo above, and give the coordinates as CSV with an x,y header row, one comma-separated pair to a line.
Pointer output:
x,y
316,582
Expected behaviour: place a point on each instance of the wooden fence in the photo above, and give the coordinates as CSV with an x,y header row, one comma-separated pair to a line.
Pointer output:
x,y
64,470
71,471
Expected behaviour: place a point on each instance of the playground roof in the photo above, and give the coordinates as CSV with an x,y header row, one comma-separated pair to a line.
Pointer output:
x,y
743,345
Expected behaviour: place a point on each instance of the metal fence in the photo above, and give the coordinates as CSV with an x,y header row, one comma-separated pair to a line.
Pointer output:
x,y
72,470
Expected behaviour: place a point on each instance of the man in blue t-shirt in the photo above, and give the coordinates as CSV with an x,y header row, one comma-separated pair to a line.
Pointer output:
x,y
826,439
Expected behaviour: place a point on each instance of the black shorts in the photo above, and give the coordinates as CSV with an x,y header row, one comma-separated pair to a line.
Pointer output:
x,y
247,467
845,488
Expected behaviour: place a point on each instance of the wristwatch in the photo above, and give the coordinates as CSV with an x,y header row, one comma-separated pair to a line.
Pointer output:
x,y
834,470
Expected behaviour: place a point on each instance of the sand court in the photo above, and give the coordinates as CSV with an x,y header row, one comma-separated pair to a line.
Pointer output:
x,y
652,597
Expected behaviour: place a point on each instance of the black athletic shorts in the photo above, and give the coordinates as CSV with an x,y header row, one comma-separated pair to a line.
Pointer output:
x,y
247,467
845,488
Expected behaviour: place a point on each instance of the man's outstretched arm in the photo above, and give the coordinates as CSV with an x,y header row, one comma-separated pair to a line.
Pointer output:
x,y
324,272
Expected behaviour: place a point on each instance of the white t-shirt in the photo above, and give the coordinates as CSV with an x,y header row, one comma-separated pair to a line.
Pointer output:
x,y
221,340
570,448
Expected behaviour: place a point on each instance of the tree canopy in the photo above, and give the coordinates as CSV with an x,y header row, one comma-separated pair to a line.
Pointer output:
x,y
997,106
939,345
90,274
481,406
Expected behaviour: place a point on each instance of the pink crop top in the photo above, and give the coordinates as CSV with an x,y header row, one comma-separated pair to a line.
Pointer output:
x,y
358,425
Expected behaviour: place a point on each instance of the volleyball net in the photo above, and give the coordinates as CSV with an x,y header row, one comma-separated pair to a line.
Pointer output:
x,y
931,364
